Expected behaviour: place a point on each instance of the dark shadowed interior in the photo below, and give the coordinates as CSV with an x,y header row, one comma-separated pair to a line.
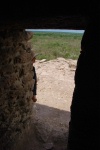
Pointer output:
x,y
15,56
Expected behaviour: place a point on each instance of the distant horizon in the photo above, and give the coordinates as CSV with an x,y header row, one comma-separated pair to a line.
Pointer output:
x,y
56,30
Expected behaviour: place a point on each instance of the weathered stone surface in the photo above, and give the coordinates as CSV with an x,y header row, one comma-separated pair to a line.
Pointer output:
x,y
16,82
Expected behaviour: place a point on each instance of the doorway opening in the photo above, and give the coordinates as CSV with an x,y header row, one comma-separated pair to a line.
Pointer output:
x,y
56,63
55,67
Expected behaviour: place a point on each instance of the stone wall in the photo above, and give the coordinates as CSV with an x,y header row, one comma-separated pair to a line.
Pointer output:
x,y
16,81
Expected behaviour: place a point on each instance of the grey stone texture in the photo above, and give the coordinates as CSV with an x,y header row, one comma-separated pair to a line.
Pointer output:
x,y
16,82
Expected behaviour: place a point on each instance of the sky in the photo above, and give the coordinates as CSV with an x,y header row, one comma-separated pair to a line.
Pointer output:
x,y
56,30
